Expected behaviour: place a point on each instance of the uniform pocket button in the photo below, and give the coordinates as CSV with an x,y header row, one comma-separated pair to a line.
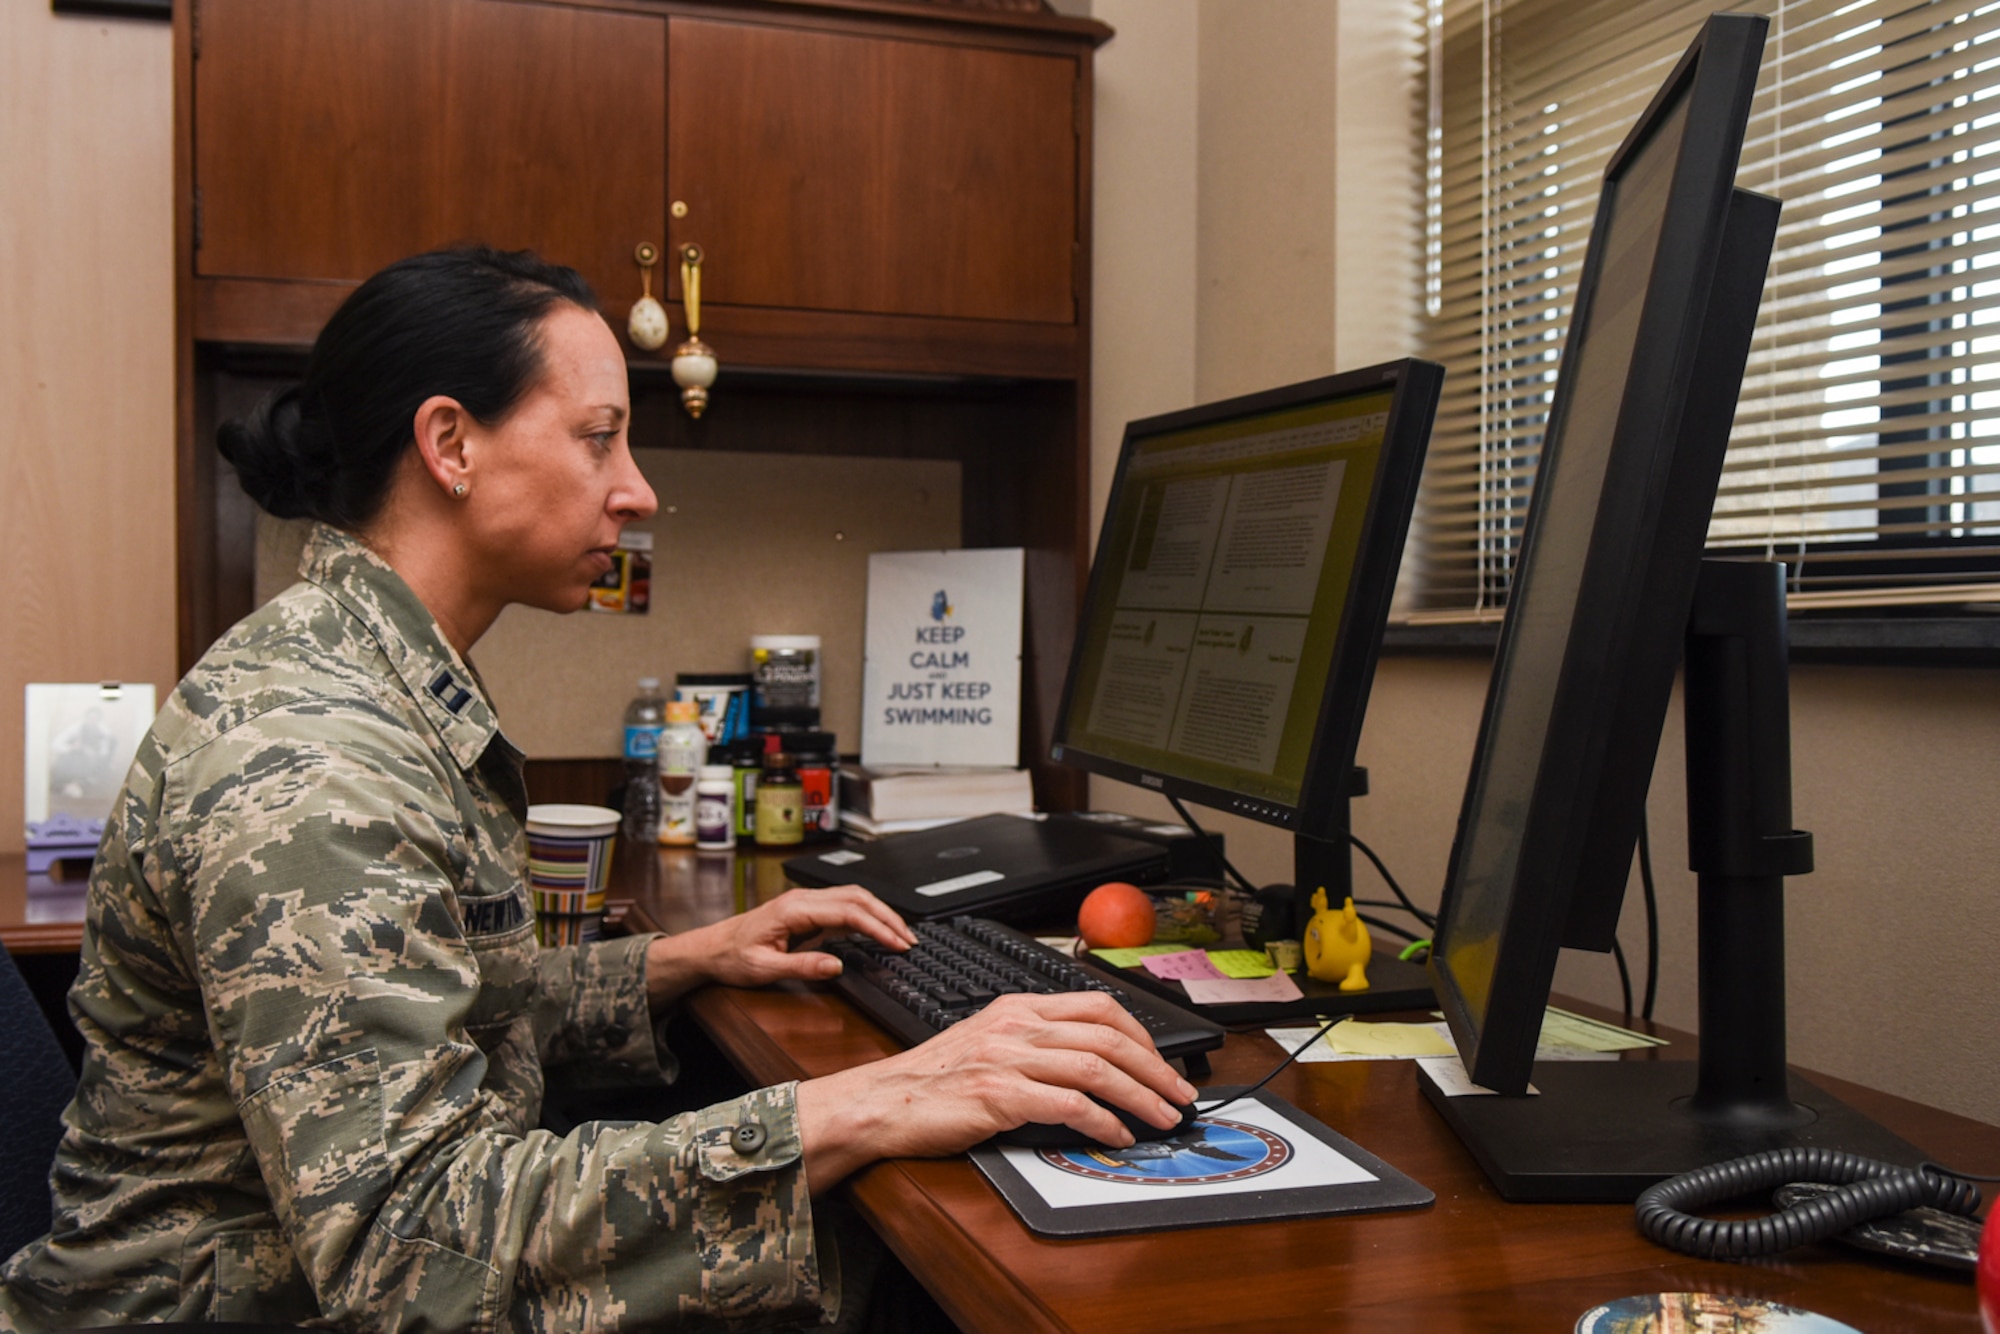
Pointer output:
x,y
748,1138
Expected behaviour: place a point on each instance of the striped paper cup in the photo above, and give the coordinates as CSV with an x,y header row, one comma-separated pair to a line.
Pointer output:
x,y
569,867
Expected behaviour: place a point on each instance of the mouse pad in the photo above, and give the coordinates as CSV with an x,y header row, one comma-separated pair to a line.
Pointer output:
x,y
1258,1159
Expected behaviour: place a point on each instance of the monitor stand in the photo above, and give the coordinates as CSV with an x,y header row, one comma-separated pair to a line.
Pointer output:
x,y
1606,1130
1326,861
1393,984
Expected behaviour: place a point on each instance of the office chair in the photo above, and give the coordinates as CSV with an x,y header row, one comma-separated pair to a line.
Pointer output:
x,y
36,1087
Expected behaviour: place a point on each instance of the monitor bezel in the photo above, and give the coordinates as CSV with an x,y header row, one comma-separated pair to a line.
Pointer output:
x,y
1622,641
1320,812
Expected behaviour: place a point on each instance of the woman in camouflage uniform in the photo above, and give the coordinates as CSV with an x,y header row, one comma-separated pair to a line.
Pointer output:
x,y
317,1020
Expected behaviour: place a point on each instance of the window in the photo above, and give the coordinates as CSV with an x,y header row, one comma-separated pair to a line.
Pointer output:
x,y
1866,449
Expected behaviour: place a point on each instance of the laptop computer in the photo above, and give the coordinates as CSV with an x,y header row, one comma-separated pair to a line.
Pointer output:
x,y
1001,866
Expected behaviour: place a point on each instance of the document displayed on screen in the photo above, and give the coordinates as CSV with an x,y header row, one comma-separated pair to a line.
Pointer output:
x,y
1226,570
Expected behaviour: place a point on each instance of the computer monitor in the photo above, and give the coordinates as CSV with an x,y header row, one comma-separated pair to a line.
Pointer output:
x,y
1236,604
1606,576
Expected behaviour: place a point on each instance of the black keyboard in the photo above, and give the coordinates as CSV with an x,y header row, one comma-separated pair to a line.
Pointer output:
x,y
960,965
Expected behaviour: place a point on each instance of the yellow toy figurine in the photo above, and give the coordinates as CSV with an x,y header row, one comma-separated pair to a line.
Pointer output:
x,y
1338,946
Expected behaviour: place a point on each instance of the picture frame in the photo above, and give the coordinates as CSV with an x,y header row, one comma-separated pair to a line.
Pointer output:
x,y
80,742
941,668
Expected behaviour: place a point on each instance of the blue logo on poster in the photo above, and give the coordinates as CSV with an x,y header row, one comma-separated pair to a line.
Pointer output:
x,y
939,607
1203,1154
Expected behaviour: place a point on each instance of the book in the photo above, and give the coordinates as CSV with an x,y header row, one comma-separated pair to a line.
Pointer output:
x,y
891,793
856,825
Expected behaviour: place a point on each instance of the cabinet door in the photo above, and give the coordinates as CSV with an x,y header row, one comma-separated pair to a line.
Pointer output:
x,y
334,136
844,172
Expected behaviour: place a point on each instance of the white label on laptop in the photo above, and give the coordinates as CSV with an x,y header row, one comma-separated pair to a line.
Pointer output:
x,y
845,857
958,882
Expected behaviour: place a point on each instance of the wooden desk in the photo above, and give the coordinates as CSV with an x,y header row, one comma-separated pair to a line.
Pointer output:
x,y
38,915
43,916
1471,1262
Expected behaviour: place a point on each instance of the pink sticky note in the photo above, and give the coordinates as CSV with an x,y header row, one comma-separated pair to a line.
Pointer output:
x,y
1241,990
1182,966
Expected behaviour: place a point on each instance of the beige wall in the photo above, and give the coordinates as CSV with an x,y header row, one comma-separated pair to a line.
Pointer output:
x,y
1304,260
1143,265
86,362
561,683
1265,197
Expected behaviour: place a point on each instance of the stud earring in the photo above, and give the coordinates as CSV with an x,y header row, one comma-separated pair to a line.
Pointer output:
x,y
459,490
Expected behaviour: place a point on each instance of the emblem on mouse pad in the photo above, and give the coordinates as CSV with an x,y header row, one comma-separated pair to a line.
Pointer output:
x,y
1206,1152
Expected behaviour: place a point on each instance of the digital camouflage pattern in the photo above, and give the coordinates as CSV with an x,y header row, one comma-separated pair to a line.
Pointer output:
x,y
317,1024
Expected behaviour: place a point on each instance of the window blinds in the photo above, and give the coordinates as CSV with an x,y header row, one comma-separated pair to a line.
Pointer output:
x,y
1866,448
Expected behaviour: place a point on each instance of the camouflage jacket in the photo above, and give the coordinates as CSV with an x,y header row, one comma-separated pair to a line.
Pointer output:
x,y
317,1024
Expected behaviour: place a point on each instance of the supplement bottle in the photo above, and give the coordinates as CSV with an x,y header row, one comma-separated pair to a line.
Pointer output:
x,y
818,775
780,802
715,808
683,749
746,758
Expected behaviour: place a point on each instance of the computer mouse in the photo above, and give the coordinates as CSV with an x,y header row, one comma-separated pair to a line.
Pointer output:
x,y
1041,1135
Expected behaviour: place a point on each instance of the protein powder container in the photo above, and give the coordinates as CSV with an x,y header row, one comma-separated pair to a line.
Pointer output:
x,y
784,671
722,699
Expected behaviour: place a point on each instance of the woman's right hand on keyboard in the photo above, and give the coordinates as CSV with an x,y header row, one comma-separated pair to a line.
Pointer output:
x,y
1023,1058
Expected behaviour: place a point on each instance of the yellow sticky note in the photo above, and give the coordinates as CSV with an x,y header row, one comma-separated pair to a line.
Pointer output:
x,y
1129,958
1351,1037
1241,963
1560,1028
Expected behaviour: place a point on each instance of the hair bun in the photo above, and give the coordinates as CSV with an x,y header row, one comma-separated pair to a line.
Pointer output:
x,y
278,455
461,324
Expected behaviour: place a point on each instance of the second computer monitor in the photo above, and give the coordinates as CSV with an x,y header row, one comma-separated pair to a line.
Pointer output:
x,y
1236,605
1665,308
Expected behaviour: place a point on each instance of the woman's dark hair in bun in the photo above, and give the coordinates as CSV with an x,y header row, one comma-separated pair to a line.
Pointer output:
x,y
462,323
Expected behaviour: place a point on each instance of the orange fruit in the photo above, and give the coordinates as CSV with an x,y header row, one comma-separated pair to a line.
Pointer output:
x,y
1116,916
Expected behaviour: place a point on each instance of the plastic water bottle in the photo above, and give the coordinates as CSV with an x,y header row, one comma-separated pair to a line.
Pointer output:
x,y
645,719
